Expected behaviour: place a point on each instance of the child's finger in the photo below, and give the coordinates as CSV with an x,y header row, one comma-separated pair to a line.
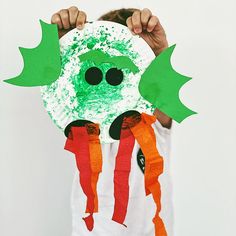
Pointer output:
x,y
136,22
129,24
81,19
56,19
152,23
64,14
73,13
145,16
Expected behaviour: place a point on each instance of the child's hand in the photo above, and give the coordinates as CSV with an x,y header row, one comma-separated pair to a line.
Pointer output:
x,y
149,28
68,19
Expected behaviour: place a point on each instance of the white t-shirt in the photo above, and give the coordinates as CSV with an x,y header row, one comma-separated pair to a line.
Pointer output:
x,y
141,208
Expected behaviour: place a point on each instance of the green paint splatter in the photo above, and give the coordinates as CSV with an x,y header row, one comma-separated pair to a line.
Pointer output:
x,y
71,97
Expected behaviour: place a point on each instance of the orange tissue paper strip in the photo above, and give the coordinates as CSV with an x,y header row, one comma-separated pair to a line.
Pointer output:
x,y
95,152
145,136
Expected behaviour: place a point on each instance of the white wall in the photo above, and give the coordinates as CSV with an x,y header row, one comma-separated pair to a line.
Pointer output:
x,y
35,171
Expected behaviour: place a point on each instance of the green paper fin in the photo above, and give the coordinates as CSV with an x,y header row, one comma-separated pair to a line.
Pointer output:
x,y
99,57
160,85
42,65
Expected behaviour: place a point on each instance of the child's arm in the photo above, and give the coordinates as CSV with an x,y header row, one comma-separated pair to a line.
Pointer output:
x,y
150,29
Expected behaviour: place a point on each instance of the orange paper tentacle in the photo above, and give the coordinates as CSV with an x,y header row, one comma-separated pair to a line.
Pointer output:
x,y
145,136
95,152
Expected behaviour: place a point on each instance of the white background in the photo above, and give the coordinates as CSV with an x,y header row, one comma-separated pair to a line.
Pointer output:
x,y
36,173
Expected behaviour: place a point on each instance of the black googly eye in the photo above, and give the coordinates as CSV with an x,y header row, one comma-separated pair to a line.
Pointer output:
x,y
114,76
93,75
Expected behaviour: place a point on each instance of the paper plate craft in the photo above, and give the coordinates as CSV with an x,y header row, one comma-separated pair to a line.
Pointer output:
x,y
99,85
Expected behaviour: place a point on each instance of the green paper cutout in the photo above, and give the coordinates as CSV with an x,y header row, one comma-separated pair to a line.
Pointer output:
x,y
42,65
99,57
160,85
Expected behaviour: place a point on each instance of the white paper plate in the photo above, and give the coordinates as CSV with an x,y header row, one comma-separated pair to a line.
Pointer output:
x,y
71,98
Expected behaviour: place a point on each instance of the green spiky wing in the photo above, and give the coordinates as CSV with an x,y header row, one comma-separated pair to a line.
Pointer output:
x,y
160,85
42,65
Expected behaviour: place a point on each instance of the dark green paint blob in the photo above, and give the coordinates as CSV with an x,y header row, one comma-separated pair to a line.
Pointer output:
x,y
91,42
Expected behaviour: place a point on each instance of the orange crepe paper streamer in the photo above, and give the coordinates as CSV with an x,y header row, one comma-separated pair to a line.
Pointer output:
x,y
78,143
121,174
145,136
95,152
